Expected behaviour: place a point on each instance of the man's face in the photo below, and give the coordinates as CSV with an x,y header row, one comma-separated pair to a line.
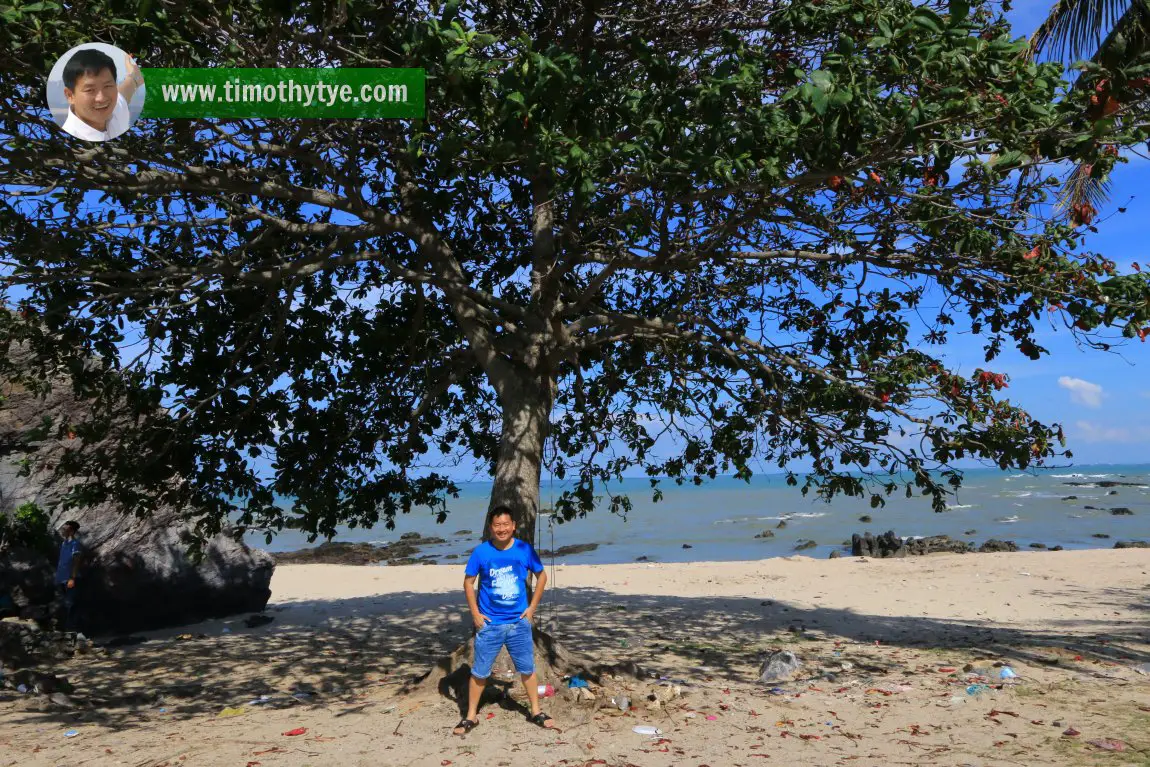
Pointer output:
x,y
502,528
94,98
67,531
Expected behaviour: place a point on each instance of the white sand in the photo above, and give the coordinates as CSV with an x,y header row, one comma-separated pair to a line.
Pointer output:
x,y
1073,625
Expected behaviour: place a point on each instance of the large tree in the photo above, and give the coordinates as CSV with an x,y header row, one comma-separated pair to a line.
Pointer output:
x,y
693,237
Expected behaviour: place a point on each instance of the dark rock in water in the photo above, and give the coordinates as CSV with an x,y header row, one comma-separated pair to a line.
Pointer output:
x,y
1038,545
835,554
1132,545
1071,498
1112,492
410,537
1121,511
399,561
255,621
1090,508
994,544
137,574
1102,483
1056,548
463,532
889,545
970,532
335,553
563,551
451,556
1100,535
688,546
804,545
865,518
766,534
782,523
641,559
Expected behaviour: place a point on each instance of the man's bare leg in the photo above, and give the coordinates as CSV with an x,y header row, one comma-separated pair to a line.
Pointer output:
x,y
475,688
531,682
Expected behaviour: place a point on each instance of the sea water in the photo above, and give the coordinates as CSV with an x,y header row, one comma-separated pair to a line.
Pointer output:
x,y
719,519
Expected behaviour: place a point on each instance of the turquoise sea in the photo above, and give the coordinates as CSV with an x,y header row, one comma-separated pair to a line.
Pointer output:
x,y
719,519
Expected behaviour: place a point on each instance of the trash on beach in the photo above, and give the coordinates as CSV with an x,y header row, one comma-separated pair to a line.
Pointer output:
x,y
646,729
260,701
977,690
296,731
1070,732
71,733
711,717
622,702
690,715
1143,668
231,711
577,682
21,688
303,695
1108,744
777,691
546,690
226,630
1007,673
779,666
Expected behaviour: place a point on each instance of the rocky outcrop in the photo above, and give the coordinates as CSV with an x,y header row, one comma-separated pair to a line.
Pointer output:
x,y
402,552
888,545
994,545
138,574
1132,545
575,548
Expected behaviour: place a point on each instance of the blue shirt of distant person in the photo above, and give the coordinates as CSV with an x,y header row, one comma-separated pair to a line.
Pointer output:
x,y
502,613
68,570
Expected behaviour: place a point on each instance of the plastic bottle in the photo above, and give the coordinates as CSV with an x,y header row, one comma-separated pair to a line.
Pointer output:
x,y
546,690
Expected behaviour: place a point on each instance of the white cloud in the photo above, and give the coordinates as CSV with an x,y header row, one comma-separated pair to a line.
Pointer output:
x,y
1082,392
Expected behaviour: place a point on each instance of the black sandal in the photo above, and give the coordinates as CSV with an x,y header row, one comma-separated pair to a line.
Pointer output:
x,y
467,725
540,718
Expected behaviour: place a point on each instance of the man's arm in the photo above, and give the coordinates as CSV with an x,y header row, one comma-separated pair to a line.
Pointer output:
x,y
135,80
536,596
477,617
77,560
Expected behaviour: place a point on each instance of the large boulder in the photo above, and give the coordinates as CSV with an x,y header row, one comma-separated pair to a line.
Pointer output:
x,y
138,574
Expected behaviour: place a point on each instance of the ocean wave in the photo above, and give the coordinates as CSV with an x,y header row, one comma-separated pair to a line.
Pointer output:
x,y
961,506
1007,520
1017,494
1083,476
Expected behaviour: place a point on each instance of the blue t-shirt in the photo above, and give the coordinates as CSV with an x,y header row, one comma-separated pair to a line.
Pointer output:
x,y
502,591
69,550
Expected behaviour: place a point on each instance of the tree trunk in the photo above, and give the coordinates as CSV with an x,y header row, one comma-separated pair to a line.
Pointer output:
x,y
526,417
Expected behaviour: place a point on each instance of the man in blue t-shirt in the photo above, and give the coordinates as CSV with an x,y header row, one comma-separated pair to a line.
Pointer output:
x,y
67,570
501,612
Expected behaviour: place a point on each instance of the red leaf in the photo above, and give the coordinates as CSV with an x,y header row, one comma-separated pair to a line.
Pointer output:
x,y
1031,254
296,731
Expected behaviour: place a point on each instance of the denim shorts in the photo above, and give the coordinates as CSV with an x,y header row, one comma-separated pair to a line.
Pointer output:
x,y
491,638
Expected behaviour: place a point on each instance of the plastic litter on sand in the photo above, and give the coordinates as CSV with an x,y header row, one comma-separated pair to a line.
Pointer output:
x,y
646,729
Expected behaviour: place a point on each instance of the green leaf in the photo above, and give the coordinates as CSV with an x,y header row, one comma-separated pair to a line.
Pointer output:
x,y
959,10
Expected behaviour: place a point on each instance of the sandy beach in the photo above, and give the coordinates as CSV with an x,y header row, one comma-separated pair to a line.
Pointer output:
x,y
885,644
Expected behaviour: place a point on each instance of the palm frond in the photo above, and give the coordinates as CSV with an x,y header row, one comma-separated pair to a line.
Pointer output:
x,y
1081,188
1075,28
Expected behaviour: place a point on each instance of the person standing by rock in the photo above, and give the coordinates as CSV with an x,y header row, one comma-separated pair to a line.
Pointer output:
x,y
501,612
67,573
